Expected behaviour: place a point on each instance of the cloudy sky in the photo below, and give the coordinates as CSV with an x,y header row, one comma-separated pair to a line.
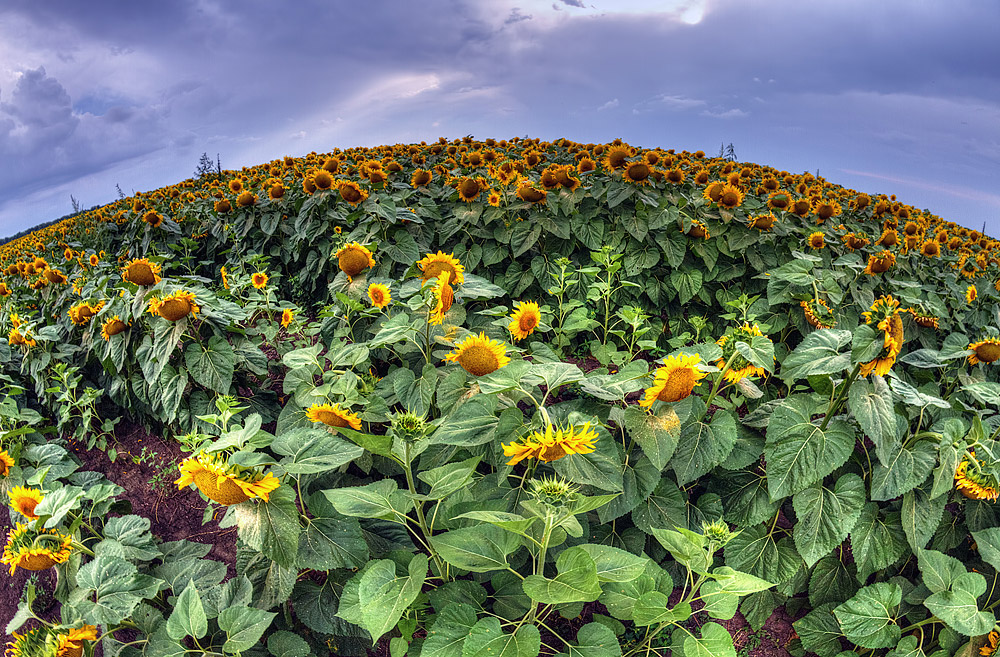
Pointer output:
x,y
897,96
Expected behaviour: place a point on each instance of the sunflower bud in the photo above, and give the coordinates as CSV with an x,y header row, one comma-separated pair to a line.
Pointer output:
x,y
553,492
717,532
409,427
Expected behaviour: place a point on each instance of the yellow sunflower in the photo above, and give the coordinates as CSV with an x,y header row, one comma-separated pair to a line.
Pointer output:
x,y
421,177
731,197
246,199
494,198
975,483
884,314
6,463
142,272
379,295
818,313
353,259
986,351
740,368
479,355
69,643
527,191
617,156
94,260
153,218
990,647
333,415
970,294
674,381
698,230
111,327
287,315
552,444
175,306
524,320
81,313
816,241
763,222
34,549
880,263
223,483
468,189
24,500
434,263
259,280
637,172
444,296
352,193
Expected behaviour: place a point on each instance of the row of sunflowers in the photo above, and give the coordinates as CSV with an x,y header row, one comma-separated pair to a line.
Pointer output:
x,y
511,396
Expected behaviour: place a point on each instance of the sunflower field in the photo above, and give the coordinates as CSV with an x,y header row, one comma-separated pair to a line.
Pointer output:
x,y
505,398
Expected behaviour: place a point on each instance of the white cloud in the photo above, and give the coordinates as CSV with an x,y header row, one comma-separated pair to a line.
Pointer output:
x,y
733,113
611,104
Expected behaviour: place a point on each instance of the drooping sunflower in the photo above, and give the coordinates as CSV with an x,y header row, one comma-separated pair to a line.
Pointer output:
x,y
379,295
880,263
816,240
971,294
259,280
986,351
287,315
731,197
222,206
974,482
276,191
675,381
333,415
421,178
352,193
224,483
637,172
4,290
142,272
225,277
175,306
70,641
740,368
527,191
713,191
800,207
889,238
55,276
468,189
925,320
81,313
434,263
6,463
762,222
479,355
444,296
825,209
779,200
354,258
818,313
884,314
552,444
524,320
34,549
112,326
853,242
153,218
698,230
246,199
990,647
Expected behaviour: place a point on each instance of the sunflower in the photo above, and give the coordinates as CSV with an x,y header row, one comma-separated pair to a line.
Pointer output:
x,y
34,549
617,156
977,484
55,276
552,444
637,172
880,263
713,191
421,178
333,415
800,207
82,312
855,242
142,272
986,351
889,238
24,500
816,240
68,254
990,647
6,463
740,368
970,294
930,249
225,277
927,321
353,259
468,189
524,320
352,193
586,165
246,199
528,192
479,355
222,206
224,483
494,198
779,200
322,179
698,230
174,306
379,295
69,643
884,314
94,260
674,381
825,209
235,185
112,326
287,315
731,197
818,313
434,263
444,296
259,280
4,290
763,222
153,218
15,337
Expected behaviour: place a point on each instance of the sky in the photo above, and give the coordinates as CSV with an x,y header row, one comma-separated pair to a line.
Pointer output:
x,y
896,96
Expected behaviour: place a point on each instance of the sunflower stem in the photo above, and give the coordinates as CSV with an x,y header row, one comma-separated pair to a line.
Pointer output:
x,y
418,506
841,395
718,381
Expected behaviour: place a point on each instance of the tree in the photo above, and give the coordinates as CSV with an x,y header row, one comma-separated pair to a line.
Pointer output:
x,y
118,188
205,166
76,204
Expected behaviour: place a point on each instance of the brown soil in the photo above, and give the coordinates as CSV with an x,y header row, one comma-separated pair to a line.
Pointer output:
x,y
174,514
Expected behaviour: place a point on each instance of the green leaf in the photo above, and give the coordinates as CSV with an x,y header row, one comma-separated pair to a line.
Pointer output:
x,y
960,611
921,516
759,351
745,498
685,548
480,548
733,581
601,468
656,434
877,541
687,282
654,607
243,627
825,516
988,542
868,619
473,423
595,640
939,570
524,236
487,639
871,404
379,499
575,581
820,631
132,533
312,451
110,589
188,616
755,551
798,452
703,446
58,503
614,564
511,522
719,603
818,353
447,635
330,540
211,366
831,581
905,469
271,527
447,479
383,596
866,344
715,641
665,507
985,392
557,374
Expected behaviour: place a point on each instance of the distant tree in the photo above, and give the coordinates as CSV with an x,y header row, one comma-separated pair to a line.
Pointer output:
x,y
205,166
118,188
727,152
218,165
76,203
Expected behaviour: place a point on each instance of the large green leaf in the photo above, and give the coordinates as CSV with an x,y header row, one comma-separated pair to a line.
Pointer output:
x,y
613,564
575,581
745,498
109,589
487,639
869,618
379,499
601,468
755,551
656,434
595,640
187,618
272,527
877,540
211,364
820,631
905,469
480,548
702,446
312,451
330,540
798,452
376,597
871,404
825,516
473,423
960,610
714,641
654,607
818,353
244,626
447,636
920,516
988,542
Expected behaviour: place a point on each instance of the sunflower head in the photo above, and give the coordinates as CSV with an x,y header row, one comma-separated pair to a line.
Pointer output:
x,y
740,367
333,415
352,193
730,197
223,483
379,295
142,272
818,313
528,192
175,306
259,280
984,351
35,549
552,444
444,296
817,240
6,463
433,264
885,314
971,294
24,500
479,355
354,258
70,641
524,320
675,381
112,326
975,481
880,263
287,316
553,492
763,222
468,189
698,230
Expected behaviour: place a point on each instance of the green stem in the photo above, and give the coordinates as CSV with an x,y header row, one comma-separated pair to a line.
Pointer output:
x,y
841,395
718,381
419,508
